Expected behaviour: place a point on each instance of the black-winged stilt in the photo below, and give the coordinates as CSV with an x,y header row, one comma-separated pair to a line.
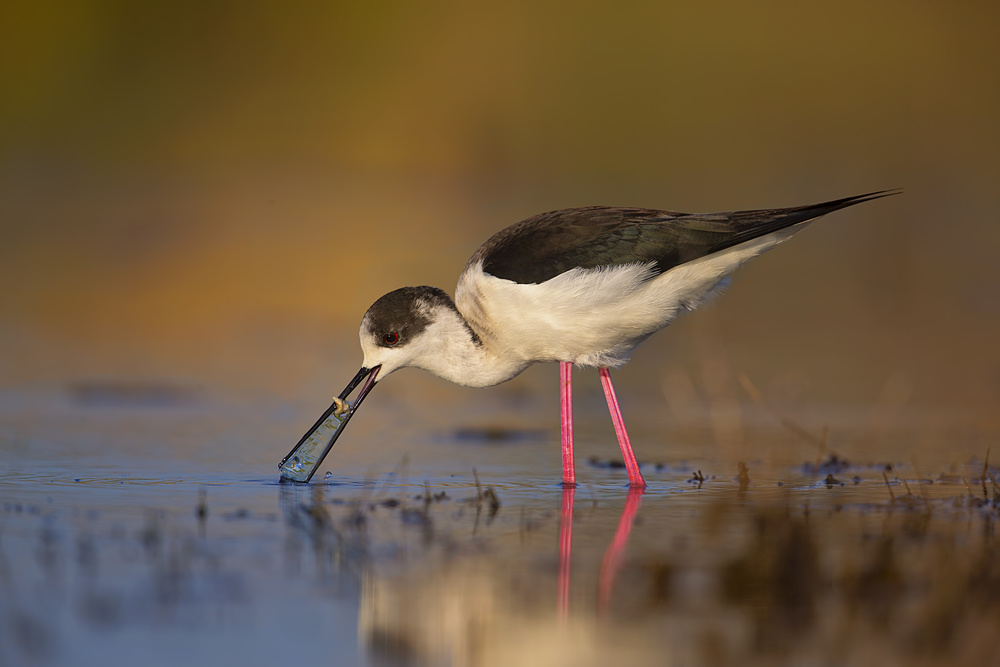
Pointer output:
x,y
578,286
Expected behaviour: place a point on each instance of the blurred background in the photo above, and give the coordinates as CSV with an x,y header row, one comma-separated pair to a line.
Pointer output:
x,y
200,199
212,193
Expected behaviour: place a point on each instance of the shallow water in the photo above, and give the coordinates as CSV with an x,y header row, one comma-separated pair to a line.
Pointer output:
x,y
150,526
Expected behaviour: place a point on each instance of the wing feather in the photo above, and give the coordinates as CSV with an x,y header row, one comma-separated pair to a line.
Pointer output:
x,y
549,244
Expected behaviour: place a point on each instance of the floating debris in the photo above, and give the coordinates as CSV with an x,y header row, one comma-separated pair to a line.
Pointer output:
x,y
697,478
832,481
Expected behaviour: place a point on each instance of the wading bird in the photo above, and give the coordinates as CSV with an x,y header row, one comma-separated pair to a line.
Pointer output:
x,y
579,286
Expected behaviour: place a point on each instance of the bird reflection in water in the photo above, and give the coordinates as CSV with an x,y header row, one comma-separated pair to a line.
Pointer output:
x,y
611,562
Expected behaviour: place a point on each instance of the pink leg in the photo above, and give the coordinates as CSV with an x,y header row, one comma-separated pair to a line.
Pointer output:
x,y
566,413
634,476
565,550
612,561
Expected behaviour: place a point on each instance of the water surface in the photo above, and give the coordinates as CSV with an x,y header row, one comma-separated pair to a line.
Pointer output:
x,y
151,526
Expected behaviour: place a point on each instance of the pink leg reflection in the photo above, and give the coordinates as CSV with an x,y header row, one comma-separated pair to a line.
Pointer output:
x,y
565,550
612,561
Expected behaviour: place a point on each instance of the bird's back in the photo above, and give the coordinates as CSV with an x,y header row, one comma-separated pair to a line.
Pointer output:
x,y
588,284
543,246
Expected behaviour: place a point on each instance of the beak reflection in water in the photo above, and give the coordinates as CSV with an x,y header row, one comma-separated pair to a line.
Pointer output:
x,y
305,458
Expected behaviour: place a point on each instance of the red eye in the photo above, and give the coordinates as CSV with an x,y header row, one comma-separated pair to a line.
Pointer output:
x,y
390,338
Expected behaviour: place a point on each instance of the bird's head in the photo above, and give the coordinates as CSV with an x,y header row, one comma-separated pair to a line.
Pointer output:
x,y
400,329
397,331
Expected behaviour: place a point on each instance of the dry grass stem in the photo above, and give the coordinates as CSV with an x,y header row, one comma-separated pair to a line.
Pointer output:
x,y
743,473
892,496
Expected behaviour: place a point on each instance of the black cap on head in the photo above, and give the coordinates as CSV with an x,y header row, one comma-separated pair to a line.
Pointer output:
x,y
405,311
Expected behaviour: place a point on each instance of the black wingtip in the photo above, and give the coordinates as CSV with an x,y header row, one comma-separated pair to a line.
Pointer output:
x,y
811,211
858,199
877,195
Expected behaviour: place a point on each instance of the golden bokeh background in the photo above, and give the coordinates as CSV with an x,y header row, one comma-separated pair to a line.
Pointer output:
x,y
215,191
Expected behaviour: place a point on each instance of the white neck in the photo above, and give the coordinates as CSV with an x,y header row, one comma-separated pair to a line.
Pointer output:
x,y
450,352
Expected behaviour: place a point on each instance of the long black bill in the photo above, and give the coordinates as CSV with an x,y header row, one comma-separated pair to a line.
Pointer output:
x,y
305,458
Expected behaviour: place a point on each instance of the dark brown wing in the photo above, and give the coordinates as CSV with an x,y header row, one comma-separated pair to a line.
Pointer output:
x,y
546,245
